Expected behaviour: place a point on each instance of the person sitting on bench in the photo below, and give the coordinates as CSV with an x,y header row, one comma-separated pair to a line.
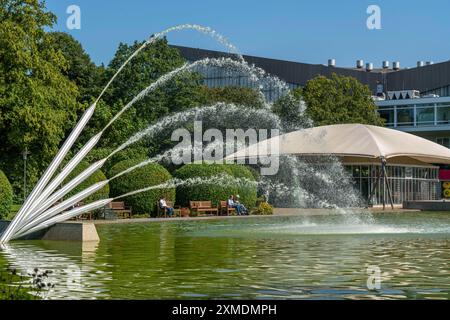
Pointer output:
x,y
232,204
243,209
163,206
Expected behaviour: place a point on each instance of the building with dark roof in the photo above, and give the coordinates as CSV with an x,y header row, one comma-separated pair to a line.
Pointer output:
x,y
427,78
415,100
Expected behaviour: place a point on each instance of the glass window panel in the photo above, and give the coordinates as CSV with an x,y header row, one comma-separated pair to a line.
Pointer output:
x,y
364,171
387,115
405,116
443,114
356,172
425,116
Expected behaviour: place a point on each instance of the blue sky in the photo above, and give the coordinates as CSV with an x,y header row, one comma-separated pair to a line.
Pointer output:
x,y
296,30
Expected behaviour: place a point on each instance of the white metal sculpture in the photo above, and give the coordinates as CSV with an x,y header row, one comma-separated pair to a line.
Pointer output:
x,y
39,210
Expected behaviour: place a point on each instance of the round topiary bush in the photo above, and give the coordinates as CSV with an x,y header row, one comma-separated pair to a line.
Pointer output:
x,y
97,176
215,193
6,196
149,175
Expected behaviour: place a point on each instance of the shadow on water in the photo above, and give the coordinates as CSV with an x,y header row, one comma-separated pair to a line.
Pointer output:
x,y
314,257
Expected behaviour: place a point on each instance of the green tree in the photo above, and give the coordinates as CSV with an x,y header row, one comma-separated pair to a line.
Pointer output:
x,y
240,96
180,93
81,70
339,99
38,103
292,111
6,196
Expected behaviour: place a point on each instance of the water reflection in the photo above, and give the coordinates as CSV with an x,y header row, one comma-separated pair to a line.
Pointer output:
x,y
72,266
275,258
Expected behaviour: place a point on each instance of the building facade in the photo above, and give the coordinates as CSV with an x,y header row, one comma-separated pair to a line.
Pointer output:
x,y
425,117
415,100
407,182
429,78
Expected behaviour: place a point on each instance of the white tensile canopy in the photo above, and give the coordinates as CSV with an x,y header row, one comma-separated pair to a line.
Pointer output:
x,y
352,143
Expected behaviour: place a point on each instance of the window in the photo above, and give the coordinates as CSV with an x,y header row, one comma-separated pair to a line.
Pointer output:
x,y
443,114
387,115
425,115
405,116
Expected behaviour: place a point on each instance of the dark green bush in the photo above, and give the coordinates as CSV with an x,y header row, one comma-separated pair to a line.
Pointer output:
x,y
149,175
215,193
97,176
6,196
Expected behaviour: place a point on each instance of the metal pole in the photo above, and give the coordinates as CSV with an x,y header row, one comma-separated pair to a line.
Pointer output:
x,y
383,171
374,188
387,184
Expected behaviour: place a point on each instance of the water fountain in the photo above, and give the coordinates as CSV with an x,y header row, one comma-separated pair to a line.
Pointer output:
x,y
40,209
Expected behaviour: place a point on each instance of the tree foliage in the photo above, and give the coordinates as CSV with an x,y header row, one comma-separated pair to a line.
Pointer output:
x,y
6,196
240,96
155,60
292,111
38,103
80,68
339,99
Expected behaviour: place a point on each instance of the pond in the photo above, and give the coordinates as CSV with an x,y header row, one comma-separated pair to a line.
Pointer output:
x,y
295,257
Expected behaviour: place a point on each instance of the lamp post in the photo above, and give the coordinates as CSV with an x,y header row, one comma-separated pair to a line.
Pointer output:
x,y
25,154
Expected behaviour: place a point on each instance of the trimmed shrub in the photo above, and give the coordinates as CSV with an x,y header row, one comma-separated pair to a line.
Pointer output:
x,y
97,176
262,209
6,196
215,193
149,175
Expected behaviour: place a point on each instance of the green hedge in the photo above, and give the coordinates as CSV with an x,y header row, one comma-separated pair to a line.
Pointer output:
x,y
97,176
215,193
150,175
6,196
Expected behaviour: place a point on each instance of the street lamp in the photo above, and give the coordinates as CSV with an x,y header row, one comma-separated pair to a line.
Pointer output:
x,y
25,154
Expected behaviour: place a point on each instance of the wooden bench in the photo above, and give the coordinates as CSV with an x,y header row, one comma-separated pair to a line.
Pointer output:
x,y
84,216
225,208
203,207
160,212
120,209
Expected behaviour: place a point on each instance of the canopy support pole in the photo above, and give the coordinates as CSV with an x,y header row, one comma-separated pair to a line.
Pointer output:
x,y
386,184
374,188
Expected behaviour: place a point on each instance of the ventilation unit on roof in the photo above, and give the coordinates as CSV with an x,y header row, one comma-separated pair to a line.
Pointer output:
x,y
403,94
396,65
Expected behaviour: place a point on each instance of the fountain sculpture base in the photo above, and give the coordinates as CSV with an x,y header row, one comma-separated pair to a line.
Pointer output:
x,y
67,231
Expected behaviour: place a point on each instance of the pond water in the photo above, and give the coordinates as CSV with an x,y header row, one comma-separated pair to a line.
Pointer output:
x,y
296,257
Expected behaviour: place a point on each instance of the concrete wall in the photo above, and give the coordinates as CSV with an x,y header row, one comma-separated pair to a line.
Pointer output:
x,y
427,205
67,231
